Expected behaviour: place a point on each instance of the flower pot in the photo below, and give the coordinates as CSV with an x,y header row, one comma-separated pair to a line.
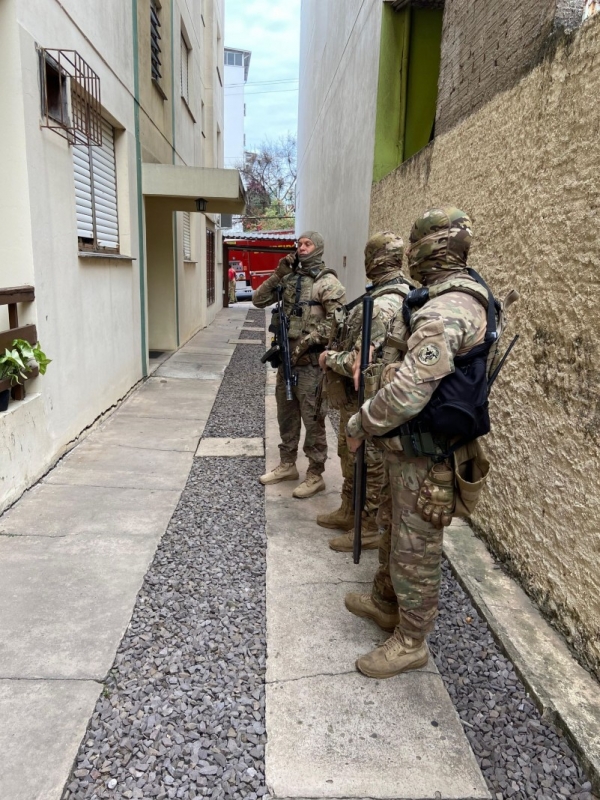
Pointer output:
x,y
4,399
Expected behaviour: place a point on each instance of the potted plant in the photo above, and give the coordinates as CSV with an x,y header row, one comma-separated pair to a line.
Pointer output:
x,y
17,364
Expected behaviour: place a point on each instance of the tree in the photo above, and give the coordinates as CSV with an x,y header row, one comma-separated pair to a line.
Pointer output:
x,y
269,176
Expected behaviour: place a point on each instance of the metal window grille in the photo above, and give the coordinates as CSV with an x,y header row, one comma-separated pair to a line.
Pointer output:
x,y
96,194
210,267
71,103
187,238
185,62
155,38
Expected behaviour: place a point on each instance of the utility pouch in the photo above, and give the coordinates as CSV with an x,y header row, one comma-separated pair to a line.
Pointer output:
x,y
337,397
373,380
471,469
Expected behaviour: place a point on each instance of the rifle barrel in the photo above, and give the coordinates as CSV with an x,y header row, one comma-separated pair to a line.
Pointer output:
x,y
360,469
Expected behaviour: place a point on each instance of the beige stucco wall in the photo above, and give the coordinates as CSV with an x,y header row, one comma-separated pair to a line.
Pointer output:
x,y
526,167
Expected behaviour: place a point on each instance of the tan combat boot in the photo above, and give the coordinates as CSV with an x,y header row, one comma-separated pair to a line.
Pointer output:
x,y
312,484
341,518
282,472
362,605
369,537
399,654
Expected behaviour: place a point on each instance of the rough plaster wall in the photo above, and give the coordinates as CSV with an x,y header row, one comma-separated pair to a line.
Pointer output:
x,y
486,47
526,168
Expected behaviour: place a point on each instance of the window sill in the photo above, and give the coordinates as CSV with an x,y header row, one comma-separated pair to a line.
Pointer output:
x,y
111,256
186,104
189,261
159,89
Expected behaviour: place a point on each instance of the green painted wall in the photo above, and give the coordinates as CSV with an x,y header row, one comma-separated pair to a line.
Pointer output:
x,y
409,65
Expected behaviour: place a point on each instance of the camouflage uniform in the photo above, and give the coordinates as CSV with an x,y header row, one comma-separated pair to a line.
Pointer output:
x,y
315,292
383,264
451,323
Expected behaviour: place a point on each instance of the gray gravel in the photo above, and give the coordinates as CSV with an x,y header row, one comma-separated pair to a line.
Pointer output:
x,y
520,754
182,714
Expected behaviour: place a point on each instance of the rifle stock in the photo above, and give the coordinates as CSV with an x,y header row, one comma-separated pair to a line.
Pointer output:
x,y
360,468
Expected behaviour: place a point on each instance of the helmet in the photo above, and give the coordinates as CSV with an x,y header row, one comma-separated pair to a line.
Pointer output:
x,y
383,254
439,242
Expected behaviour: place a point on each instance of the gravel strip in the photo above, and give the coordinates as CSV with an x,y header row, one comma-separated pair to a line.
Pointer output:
x,y
239,408
520,754
182,714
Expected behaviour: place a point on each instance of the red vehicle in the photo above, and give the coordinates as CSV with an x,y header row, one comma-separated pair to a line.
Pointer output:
x,y
254,255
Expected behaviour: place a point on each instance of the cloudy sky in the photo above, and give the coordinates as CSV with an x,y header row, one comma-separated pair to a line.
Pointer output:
x,y
271,30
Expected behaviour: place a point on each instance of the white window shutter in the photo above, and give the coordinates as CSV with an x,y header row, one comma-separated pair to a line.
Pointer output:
x,y
83,192
105,189
187,240
185,86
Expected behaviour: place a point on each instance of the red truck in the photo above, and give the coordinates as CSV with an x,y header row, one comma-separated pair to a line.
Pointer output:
x,y
254,255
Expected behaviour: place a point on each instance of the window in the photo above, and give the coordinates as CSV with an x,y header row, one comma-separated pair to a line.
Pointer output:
x,y
210,267
185,65
187,239
96,194
233,59
54,101
155,38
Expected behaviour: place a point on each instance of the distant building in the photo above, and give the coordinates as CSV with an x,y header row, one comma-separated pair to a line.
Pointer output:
x,y
237,63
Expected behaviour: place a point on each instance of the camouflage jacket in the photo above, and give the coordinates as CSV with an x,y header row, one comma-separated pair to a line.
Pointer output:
x,y
320,294
448,325
387,301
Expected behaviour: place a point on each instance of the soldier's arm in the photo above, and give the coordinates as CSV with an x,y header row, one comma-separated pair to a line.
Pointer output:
x,y
266,295
343,362
330,294
436,339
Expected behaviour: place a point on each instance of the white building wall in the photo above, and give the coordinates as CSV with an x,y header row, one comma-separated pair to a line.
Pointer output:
x,y
336,128
234,115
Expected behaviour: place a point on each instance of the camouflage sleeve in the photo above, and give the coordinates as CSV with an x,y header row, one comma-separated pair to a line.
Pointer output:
x,y
441,329
265,294
341,362
330,293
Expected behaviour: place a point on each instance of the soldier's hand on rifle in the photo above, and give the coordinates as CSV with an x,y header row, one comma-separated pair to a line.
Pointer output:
x,y
322,359
356,367
353,444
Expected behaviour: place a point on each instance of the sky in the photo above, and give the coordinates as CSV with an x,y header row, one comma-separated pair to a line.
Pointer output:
x,y
270,29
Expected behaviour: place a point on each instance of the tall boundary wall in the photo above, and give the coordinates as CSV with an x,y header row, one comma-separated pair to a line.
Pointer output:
x,y
525,166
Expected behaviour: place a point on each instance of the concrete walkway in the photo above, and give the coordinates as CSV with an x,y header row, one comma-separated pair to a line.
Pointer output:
x,y
332,733
73,554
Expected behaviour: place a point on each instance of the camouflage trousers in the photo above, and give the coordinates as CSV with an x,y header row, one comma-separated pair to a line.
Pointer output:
x,y
290,414
410,549
373,459
232,292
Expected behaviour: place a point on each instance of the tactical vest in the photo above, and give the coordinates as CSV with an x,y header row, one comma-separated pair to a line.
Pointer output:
x,y
458,408
297,299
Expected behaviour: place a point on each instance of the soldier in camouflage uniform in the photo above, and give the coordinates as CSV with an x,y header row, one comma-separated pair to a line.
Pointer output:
x,y
383,266
419,495
312,293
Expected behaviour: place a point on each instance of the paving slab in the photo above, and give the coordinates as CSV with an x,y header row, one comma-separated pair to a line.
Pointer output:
x,y
231,447
97,464
52,716
211,359
186,370
222,351
66,602
346,736
246,341
250,328
350,737
164,398
563,690
150,434
59,511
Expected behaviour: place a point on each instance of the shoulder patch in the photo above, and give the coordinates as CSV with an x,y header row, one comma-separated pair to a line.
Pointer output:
x,y
429,354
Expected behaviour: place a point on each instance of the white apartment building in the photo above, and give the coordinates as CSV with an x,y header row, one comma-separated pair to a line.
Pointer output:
x,y
237,64
111,156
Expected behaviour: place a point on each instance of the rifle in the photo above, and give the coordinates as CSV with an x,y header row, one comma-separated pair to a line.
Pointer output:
x,y
279,352
360,468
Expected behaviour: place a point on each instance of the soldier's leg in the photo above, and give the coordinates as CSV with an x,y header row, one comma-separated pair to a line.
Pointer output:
x,y
289,420
343,516
315,440
380,605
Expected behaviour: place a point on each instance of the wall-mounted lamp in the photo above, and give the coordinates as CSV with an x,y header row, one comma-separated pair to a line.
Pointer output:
x,y
201,204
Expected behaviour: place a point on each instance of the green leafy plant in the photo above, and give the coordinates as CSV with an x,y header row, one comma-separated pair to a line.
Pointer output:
x,y
15,363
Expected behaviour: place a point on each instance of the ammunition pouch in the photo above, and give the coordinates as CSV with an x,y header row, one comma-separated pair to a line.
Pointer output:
x,y
471,469
373,375
336,384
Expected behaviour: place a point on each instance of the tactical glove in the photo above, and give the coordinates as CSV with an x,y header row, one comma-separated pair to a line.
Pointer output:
x,y
285,265
435,502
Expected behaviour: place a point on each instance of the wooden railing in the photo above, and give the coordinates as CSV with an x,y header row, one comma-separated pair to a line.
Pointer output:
x,y
10,297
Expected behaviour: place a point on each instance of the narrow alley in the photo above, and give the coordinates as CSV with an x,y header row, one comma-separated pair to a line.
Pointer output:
x,y
171,654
